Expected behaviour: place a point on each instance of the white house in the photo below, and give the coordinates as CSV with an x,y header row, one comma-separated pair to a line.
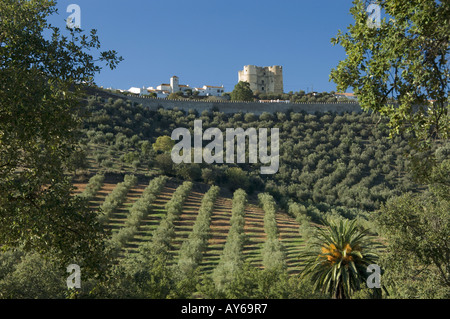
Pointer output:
x,y
164,87
162,94
140,91
210,90
134,90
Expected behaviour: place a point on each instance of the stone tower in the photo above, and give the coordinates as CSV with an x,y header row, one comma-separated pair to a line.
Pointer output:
x,y
174,84
268,79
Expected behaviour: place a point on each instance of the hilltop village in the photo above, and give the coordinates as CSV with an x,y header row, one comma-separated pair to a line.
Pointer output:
x,y
266,83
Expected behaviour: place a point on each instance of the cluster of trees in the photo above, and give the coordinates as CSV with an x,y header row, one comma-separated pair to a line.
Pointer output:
x,y
329,162
42,72
149,273
302,97
408,63
242,92
116,198
340,160
29,275
117,134
235,277
136,214
417,227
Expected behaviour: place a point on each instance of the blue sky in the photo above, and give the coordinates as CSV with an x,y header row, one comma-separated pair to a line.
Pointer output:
x,y
206,42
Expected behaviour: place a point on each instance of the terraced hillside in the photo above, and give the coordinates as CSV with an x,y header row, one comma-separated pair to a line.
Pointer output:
x,y
219,226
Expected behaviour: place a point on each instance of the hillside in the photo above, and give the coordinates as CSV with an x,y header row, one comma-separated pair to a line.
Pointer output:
x,y
208,194
200,229
328,161
289,234
221,230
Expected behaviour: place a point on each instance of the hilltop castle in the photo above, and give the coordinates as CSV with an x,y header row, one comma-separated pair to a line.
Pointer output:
x,y
268,79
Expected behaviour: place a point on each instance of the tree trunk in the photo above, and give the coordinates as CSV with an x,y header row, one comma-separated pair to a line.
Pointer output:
x,y
340,292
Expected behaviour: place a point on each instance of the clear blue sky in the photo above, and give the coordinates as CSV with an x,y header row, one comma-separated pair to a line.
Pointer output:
x,y
206,42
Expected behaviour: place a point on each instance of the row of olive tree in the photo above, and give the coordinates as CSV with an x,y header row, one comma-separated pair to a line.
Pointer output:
x,y
137,213
93,186
161,242
340,159
232,258
191,251
273,250
149,273
116,198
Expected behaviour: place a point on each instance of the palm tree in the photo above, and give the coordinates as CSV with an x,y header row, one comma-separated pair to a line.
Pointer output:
x,y
338,259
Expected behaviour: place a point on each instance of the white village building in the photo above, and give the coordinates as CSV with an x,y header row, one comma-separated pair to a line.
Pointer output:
x,y
209,90
163,90
140,91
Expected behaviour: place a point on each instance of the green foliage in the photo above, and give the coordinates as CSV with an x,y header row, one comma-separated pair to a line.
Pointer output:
x,y
190,172
330,165
242,92
130,157
237,178
300,213
145,148
137,213
78,160
40,72
163,144
116,198
175,96
137,276
191,251
249,282
163,235
232,259
340,160
93,186
273,250
30,276
406,60
335,165
417,228
148,273
208,176
164,163
337,261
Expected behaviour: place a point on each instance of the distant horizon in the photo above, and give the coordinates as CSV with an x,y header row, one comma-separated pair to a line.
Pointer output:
x,y
209,42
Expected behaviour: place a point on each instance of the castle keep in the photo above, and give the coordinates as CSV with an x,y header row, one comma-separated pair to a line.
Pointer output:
x,y
268,79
